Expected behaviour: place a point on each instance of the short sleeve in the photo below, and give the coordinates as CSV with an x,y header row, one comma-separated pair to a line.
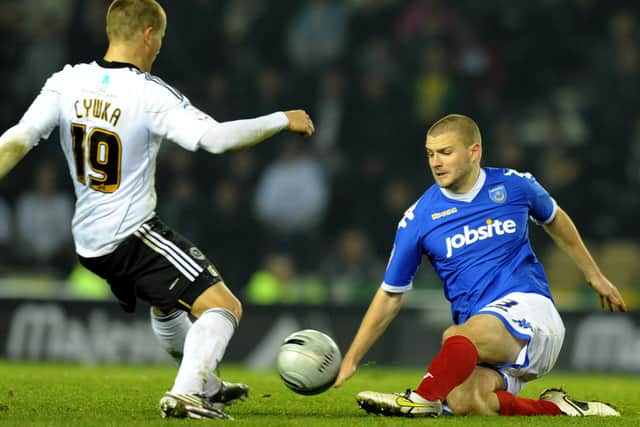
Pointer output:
x,y
404,260
542,207
172,116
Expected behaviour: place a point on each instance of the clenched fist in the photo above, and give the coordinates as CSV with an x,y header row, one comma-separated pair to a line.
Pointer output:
x,y
300,122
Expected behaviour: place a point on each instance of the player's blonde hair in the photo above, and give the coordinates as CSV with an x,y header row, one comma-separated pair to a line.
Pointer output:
x,y
462,125
127,18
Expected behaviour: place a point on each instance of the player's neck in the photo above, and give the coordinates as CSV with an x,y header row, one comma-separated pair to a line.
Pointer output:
x,y
469,183
124,53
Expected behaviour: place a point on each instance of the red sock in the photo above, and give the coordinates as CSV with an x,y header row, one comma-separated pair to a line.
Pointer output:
x,y
513,405
451,367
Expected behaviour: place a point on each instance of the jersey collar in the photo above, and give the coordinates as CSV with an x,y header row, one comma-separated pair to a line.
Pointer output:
x,y
467,197
115,64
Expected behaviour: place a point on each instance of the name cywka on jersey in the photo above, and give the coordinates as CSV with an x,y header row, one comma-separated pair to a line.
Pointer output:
x,y
97,108
470,236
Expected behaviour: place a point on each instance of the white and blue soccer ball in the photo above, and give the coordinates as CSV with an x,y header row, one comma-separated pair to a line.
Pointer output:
x,y
309,361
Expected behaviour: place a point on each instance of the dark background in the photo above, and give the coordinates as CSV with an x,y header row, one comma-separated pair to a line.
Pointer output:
x,y
552,84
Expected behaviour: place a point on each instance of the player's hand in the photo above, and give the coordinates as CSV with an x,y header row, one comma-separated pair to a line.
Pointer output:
x,y
300,122
610,298
347,369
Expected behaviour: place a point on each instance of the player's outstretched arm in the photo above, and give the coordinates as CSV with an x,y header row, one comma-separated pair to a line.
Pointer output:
x,y
15,143
566,236
381,312
238,134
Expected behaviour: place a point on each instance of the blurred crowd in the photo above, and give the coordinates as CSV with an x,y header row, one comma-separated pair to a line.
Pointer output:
x,y
553,85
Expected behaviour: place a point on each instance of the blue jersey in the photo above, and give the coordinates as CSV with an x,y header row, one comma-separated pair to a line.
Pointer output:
x,y
478,243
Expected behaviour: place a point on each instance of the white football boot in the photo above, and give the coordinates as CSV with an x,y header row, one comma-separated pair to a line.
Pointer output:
x,y
407,404
175,405
577,408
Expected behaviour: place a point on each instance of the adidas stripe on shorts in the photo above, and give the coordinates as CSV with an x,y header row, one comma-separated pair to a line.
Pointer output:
x,y
157,265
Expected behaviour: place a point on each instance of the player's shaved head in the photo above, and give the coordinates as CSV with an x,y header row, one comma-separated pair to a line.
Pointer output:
x,y
128,18
462,125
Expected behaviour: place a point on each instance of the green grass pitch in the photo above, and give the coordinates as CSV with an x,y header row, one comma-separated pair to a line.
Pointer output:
x,y
46,394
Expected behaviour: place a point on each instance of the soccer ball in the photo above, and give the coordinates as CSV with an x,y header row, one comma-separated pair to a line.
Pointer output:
x,y
309,361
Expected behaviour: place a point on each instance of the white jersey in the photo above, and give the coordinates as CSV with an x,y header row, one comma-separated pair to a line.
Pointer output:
x,y
112,119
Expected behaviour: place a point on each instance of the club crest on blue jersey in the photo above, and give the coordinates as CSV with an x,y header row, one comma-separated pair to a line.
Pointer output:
x,y
498,194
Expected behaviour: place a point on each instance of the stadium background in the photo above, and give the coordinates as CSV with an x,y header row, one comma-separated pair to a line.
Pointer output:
x,y
309,223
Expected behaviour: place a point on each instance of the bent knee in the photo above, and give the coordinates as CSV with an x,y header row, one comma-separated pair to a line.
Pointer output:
x,y
449,332
457,330
217,296
237,309
232,304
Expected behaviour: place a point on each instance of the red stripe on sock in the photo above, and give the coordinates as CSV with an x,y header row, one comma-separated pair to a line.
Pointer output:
x,y
513,405
451,367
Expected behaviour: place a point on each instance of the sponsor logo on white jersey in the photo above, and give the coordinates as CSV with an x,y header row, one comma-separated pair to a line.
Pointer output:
x,y
469,236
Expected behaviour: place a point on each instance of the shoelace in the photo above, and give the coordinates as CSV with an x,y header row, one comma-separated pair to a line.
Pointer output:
x,y
406,394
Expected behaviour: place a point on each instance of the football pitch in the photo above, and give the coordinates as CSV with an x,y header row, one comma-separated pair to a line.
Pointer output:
x,y
46,394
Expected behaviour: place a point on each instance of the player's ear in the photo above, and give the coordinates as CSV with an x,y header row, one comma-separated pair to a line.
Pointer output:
x,y
476,151
147,34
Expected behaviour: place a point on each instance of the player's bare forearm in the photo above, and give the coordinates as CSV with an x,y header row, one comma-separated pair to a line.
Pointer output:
x,y
566,236
381,312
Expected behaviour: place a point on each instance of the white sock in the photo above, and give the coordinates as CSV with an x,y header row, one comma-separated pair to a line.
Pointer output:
x,y
171,331
204,347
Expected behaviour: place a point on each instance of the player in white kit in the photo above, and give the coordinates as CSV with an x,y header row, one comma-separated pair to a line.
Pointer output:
x,y
112,117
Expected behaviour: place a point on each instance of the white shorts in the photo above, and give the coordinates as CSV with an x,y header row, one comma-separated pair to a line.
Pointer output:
x,y
534,318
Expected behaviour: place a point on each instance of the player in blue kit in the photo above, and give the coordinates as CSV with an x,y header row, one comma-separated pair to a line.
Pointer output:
x,y
473,227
